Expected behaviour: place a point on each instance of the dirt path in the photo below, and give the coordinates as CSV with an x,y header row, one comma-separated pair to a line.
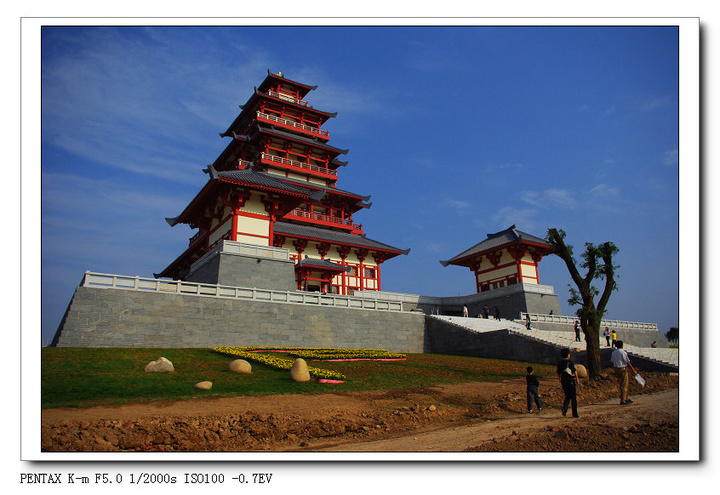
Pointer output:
x,y
469,417
534,432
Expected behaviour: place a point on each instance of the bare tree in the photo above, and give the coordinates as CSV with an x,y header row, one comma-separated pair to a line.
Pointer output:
x,y
598,261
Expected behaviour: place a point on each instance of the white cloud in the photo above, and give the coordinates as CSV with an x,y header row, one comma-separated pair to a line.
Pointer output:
x,y
457,204
657,103
437,247
523,218
603,192
670,158
549,198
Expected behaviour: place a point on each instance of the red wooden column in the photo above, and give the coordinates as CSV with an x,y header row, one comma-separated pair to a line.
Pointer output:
x,y
361,254
273,207
536,257
343,252
518,251
379,258
236,200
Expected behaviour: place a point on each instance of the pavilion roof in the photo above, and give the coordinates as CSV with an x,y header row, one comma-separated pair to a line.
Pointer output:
x,y
300,139
319,264
333,236
497,240
268,81
250,178
310,186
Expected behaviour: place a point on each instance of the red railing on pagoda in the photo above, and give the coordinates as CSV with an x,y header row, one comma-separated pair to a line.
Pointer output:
x,y
321,217
294,163
243,164
200,235
291,123
286,97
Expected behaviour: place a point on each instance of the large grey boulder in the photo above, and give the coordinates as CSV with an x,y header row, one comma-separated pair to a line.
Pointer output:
x,y
240,366
299,371
159,366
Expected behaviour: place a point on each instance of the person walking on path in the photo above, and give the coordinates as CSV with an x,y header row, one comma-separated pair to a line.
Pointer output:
x,y
486,311
533,395
621,361
577,331
497,313
465,311
527,321
613,338
567,374
606,334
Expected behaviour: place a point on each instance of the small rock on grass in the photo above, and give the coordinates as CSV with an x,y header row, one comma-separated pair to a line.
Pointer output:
x,y
160,365
203,385
240,366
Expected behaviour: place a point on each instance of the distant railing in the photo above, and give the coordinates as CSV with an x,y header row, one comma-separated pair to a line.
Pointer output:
x,y
141,284
289,98
570,320
295,163
292,123
324,218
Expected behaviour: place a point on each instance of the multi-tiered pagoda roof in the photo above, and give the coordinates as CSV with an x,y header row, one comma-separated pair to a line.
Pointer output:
x,y
275,184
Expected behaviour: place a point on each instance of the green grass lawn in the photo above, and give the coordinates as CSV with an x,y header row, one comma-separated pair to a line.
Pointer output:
x,y
78,377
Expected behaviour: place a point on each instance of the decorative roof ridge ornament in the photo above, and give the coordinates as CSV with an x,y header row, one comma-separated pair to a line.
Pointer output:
x,y
280,74
498,234
211,171
172,222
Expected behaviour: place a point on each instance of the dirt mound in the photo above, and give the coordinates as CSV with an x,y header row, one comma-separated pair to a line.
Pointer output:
x,y
386,420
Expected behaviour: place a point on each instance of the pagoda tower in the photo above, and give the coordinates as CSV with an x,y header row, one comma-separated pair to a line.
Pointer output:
x,y
505,258
275,187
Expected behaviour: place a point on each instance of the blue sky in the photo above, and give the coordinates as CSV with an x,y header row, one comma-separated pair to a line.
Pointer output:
x,y
456,132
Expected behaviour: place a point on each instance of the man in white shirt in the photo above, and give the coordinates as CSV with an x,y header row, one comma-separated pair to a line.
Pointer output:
x,y
621,361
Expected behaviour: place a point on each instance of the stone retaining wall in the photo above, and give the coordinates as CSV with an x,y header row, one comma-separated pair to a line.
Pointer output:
x,y
446,338
100,317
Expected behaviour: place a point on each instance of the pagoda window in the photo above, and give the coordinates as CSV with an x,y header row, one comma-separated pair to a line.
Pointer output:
x,y
369,272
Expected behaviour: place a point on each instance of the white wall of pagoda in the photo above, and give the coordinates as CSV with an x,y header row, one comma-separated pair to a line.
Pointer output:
x,y
220,225
506,271
252,223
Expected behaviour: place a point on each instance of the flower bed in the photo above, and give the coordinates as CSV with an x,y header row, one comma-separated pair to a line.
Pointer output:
x,y
257,354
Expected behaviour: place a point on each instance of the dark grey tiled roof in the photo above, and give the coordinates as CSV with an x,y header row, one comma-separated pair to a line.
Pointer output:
x,y
333,236
498,239
303,139
314,262
264,179
326,188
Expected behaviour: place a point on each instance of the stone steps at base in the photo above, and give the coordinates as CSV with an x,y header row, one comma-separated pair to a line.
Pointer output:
x,y
563,339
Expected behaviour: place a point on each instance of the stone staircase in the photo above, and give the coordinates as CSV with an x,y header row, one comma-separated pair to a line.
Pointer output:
x,y
556,338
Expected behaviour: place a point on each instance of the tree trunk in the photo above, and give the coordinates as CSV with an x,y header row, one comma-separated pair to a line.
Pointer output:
x,y
592,346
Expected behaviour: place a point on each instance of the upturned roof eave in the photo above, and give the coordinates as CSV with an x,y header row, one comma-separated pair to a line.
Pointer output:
x,y
316,234
305,87
478,250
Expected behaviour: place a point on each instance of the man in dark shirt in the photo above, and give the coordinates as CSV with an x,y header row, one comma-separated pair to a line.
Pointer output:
x,y
568,380
533,395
